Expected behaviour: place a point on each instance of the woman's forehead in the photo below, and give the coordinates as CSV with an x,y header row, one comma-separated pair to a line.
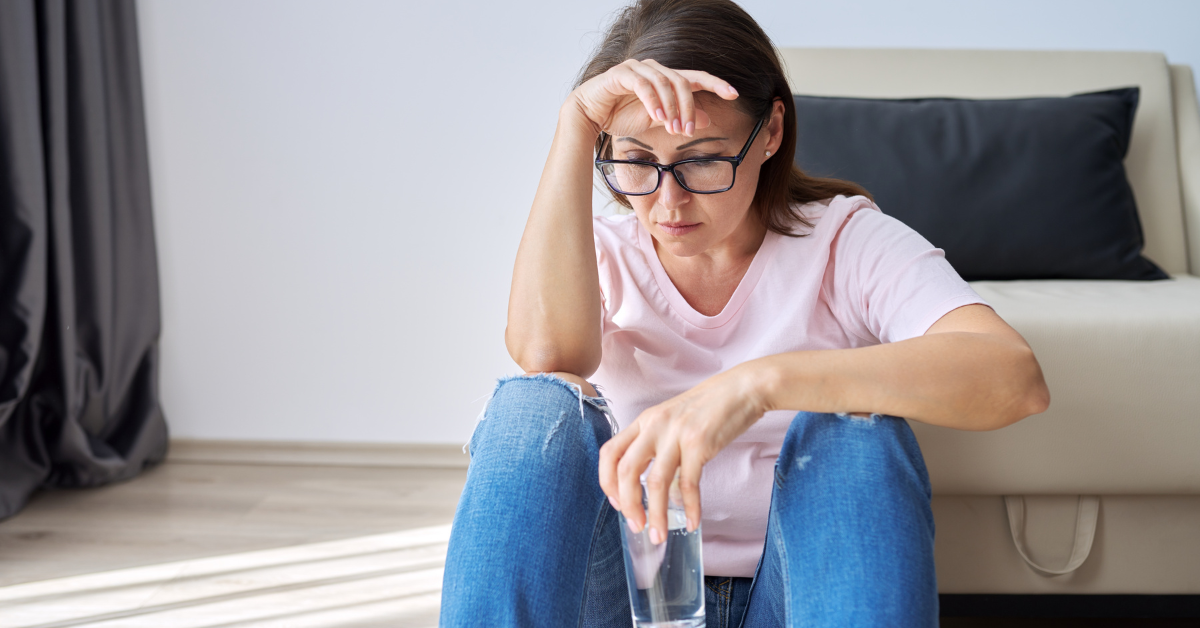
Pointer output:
x,y
665,141
727,122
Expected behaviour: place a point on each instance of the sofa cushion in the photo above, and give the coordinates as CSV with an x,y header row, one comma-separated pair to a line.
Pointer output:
x,y
1152,164
1028,188
1122,359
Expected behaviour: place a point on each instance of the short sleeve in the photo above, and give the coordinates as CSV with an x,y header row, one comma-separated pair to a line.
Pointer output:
x,y
607,236
604,270
886,282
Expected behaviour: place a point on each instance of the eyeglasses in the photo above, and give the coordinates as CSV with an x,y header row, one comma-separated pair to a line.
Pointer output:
x,y
705,175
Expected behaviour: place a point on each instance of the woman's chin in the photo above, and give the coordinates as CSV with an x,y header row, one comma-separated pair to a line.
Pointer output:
x,y
681,247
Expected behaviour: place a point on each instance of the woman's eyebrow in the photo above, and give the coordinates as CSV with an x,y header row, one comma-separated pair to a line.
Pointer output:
x,y
700,141
680,147
630,139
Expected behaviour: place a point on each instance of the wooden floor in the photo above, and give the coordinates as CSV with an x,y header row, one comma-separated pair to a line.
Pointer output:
x,y
210,501
258,536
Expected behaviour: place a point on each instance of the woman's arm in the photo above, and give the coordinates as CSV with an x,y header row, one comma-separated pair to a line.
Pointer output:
x,y
554,302
970,371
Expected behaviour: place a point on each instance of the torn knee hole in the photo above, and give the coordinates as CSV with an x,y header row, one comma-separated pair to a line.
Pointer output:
x,y
862,417
570,378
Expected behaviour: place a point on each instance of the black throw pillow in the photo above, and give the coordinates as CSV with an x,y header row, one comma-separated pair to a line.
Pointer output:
x,y
1029,188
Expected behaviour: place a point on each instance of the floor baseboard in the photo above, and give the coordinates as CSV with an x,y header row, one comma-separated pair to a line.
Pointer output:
x,y
435,456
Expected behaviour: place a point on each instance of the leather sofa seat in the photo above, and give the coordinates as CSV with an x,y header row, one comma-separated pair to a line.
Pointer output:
x,y
1121,359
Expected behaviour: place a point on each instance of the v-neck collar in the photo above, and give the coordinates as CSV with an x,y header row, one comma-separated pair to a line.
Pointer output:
x,y
680,305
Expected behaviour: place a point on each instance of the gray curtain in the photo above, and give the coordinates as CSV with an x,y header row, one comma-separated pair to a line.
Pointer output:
x,y
79,306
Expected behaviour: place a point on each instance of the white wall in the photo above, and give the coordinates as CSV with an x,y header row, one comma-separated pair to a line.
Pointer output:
x,y
340,186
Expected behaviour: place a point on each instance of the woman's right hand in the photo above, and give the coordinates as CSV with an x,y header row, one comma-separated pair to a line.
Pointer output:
x,y
636,95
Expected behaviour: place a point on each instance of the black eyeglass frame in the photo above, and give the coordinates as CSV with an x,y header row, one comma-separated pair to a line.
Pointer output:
x,y
662,168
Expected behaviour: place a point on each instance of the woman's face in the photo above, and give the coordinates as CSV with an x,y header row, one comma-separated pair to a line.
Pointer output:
x,y
687,224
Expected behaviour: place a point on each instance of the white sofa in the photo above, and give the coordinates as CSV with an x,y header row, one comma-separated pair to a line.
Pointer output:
x,y
1122,358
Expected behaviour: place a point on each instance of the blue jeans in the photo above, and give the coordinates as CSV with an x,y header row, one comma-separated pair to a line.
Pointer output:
x,y
535,542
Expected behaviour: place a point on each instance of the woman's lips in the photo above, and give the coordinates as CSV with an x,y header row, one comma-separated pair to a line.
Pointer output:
x,y
678,228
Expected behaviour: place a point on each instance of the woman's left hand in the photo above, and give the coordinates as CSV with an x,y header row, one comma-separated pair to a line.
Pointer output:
x,y
683,433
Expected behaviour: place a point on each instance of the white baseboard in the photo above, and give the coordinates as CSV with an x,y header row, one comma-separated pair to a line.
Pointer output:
x,y
438,456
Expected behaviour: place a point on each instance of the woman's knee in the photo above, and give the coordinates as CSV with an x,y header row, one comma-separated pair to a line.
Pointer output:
x,y
869,446
860,431
540,414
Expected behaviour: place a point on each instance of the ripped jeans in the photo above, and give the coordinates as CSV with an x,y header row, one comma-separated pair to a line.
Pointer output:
x,y
535,542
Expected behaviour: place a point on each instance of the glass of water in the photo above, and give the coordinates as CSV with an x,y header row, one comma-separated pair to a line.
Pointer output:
x,y
666,581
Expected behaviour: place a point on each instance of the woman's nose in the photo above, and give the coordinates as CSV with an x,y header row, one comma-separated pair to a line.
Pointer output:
x,y
670,193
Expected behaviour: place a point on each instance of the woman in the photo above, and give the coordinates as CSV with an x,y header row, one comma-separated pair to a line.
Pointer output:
x,y
757,330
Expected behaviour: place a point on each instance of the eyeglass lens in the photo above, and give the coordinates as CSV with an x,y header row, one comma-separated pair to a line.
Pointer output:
x,y
697,176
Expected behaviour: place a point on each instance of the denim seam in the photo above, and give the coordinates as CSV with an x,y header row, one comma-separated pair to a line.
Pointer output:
x,y
754,580
717,599
783,572
591,550
722,590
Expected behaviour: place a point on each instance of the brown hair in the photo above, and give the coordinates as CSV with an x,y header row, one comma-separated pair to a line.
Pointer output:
x,y
719,37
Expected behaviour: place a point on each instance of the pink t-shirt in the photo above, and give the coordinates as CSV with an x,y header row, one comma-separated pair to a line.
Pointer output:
x,y
861,278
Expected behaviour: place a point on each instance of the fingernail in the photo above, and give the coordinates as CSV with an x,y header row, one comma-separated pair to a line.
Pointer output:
x,y
732,90
655,537
614,503
691,523
675,126
633,526
690,129
662,117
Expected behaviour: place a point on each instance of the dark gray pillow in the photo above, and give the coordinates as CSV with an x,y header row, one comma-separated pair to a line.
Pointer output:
x,y
1029,188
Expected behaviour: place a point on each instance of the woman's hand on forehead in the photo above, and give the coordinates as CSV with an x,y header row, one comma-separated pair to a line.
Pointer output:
x,y
635,96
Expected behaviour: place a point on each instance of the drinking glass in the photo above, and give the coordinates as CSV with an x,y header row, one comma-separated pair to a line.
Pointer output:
x,y
666,581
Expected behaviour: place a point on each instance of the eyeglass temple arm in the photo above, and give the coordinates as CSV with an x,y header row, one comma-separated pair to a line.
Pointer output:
x,y
753,135
605,139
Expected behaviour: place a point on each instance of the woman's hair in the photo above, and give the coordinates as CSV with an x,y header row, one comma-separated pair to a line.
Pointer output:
x,y
718,37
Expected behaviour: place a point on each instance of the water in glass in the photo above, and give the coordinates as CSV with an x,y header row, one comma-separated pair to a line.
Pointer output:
x,y
666,581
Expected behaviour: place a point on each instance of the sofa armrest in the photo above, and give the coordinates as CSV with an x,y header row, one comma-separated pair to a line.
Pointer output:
x,y
1187,132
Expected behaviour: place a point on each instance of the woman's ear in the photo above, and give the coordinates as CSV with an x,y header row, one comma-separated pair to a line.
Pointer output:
x,y
775,126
